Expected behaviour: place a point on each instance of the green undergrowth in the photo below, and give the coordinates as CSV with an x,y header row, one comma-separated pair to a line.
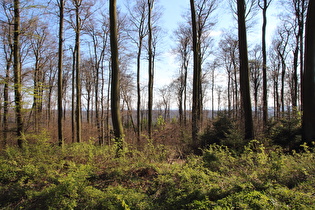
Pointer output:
x,y
85,176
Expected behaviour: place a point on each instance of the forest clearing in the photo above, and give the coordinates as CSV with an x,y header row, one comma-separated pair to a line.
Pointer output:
x,y
84,125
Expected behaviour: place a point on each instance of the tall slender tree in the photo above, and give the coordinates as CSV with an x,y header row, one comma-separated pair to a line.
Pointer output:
x,y
17,73
196,78
264,4
77,5
183,38
244,72
39,31
150,67
301,23
115,92
138,23
99,45
7,37
73,117
60,71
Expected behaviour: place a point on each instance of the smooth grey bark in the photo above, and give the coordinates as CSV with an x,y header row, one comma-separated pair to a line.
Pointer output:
x,y
115,91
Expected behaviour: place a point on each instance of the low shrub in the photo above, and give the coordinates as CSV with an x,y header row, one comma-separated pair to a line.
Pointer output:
x,y
287,132
223,131
85,176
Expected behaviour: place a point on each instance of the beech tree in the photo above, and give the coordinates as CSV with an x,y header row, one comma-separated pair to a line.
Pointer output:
x,y
88,80
183,39
115,92
200,23
39,33
99,33
77,4
228,56
61,4
17,73
296,12
7,40
255,66
309,75
196,78
81,14
264,4
282,44
244,73
275,67
139,30
150,66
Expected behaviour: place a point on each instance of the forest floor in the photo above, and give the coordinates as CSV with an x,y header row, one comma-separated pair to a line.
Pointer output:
x,y
85,176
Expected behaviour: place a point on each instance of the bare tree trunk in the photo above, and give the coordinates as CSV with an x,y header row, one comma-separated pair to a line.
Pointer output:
x,y
60,71
185,95
282,83
301,33
236,99
97,102
309,75
9,56
196,80
139,90
115,92
78,74
36,98
73,98
212,94
264,8
294,81
150,85
278,104
229,94
108,104
17,74
6,99
244,75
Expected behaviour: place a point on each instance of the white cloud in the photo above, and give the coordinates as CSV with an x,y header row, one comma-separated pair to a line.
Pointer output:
x,y
215,33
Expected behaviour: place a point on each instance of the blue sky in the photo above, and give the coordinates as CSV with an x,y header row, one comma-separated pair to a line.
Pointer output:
x,y
172,14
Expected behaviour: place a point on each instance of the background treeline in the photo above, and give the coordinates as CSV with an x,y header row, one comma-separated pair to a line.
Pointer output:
x,y
57,61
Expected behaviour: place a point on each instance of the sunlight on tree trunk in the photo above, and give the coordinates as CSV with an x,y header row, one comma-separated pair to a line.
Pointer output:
x,y
115,92
17,73
60,69
78,72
